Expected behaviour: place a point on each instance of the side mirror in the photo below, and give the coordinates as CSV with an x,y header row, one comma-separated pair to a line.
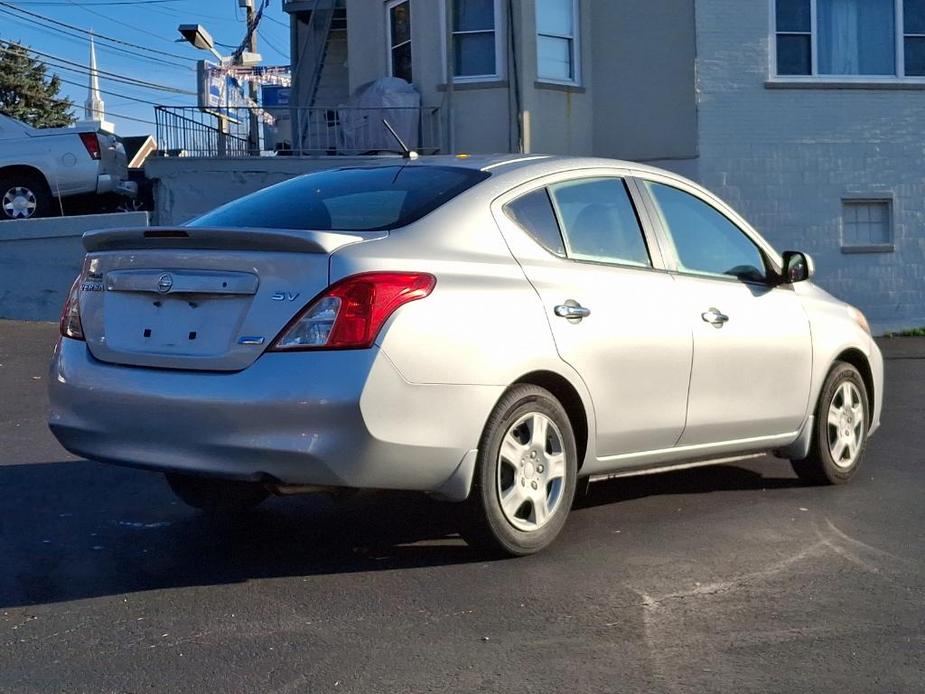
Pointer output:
x,y
798,267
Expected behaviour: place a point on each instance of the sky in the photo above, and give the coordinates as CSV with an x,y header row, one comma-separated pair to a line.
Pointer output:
x,y
148,23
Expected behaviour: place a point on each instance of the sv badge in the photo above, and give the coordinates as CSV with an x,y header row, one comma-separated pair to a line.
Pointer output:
x,y
285,296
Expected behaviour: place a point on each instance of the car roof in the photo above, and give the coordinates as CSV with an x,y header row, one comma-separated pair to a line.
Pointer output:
x,y
514,162
516,168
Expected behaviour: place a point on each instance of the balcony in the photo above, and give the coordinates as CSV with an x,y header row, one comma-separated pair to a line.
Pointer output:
x,y
189,131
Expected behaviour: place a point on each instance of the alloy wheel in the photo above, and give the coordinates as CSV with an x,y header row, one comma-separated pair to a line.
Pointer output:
x,y
531,472
845,425
19,202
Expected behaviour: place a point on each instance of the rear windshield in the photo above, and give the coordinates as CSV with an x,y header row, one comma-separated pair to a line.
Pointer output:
x,y
362,199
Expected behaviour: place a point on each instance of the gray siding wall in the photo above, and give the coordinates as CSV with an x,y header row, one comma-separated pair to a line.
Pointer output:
x,y
481,115
636,94
643,60
787,157
560,121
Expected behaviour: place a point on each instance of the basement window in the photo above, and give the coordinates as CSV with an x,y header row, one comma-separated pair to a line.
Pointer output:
x,y
867,226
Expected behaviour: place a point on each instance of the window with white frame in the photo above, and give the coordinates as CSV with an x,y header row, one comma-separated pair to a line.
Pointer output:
x,y
476,34
867,225
399,27
557,50
849,38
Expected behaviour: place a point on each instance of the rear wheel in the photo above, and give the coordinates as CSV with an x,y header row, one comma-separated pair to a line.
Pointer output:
x,y
839,431
525,474
216,495
24,196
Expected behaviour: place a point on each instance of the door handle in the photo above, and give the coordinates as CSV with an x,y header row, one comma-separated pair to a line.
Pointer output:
x,y
572,310
715,317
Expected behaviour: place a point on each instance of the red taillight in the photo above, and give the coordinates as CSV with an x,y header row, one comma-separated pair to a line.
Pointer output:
x,y
70,317
350,314
92,143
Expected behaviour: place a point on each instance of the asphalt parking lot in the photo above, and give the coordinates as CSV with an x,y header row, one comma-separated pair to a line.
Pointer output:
x,y
728,579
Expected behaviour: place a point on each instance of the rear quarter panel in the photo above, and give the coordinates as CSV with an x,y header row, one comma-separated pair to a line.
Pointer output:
x,y
483,325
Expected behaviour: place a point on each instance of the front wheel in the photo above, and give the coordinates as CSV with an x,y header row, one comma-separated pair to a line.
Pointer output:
x,y
526,474
216,495
839,430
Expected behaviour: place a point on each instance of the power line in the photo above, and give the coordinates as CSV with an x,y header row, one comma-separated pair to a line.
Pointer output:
x,y
95,35
111,93
270,45
86,8
125,53
46,97
127,81
276,21
139,120
51,3
110,75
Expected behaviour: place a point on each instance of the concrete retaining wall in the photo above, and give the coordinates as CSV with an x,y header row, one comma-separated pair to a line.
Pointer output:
x,y
186,187
39,259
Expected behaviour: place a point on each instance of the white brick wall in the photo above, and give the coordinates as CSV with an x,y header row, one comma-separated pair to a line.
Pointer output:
x,y
786,158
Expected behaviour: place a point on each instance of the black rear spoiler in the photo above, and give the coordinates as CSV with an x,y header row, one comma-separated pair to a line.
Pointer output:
x,y
228,239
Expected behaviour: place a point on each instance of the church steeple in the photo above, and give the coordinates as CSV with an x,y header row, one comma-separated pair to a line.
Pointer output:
x,y
93,106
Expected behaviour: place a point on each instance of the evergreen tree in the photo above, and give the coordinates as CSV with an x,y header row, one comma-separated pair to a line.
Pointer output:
x,y
27,93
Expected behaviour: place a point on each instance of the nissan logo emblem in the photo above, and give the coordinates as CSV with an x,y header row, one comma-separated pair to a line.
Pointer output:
x,y
165,283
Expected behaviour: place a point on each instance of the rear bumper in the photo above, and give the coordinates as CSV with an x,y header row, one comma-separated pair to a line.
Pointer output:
x,y
108,183
343,419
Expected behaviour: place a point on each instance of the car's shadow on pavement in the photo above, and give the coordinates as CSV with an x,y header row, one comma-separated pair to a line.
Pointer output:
x,y
699,480
74,530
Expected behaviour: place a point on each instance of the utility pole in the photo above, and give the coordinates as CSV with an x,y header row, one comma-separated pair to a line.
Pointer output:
x,y
253,134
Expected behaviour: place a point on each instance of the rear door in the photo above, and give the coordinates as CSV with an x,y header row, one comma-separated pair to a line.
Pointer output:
x,y
752,346
613,311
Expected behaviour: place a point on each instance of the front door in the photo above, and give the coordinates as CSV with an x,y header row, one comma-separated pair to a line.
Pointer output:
x,y
752,346
614,315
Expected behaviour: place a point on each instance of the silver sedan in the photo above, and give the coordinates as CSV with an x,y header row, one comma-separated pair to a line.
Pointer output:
x,y
488,330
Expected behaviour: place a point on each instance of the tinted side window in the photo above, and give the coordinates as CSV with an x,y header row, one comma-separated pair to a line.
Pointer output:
x,y
534,214
600,222
704,239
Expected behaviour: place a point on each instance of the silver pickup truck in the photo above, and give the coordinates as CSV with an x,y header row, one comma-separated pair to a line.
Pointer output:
x,y
39,166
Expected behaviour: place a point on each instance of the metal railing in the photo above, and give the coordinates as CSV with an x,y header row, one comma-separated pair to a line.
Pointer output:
x,y
190,131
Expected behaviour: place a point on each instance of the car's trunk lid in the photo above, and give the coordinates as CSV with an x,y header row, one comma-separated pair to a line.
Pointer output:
x,y
196,298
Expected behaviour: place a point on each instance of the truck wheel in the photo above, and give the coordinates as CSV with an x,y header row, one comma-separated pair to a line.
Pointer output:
x,y
526,474
839,430
25,196
216,495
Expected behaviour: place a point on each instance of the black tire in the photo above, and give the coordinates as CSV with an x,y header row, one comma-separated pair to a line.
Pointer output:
x,y
216,495
486,524
820,467
32,187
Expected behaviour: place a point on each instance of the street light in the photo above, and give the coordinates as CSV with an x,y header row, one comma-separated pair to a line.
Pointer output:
x,y
197,35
